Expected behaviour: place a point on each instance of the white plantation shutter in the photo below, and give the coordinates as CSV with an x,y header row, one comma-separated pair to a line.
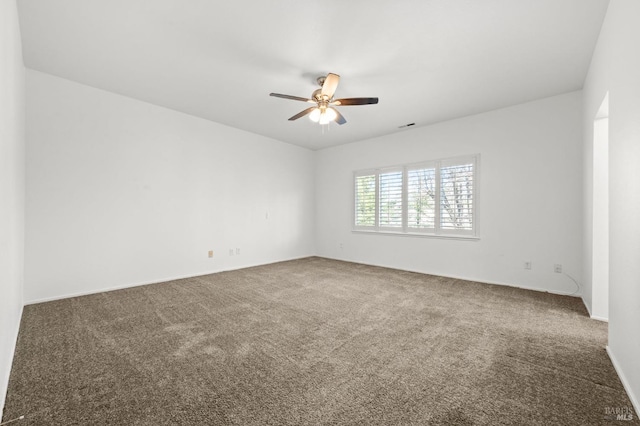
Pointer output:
x,y
365,200
456,196
431,198
390,199
421,198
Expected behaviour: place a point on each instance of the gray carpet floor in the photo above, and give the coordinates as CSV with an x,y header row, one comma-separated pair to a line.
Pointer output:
x,y
314,342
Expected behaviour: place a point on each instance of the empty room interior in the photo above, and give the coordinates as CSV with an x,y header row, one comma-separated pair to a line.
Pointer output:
x,y
413,212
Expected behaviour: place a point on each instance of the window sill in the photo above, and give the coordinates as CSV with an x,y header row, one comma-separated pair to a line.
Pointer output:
x,y
418,234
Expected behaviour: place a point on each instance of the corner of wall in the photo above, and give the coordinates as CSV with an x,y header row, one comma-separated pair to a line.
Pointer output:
x,y
11,350
12,190
625,382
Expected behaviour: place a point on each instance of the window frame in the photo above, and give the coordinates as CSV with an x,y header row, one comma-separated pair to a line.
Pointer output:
x,y
405,229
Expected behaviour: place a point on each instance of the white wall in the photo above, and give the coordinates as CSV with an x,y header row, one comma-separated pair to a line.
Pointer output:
x,y
12,170
121,192
530,199
615,68
600,215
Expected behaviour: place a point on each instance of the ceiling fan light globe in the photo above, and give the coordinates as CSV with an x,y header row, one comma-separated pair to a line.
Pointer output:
x,y
315,115
327,116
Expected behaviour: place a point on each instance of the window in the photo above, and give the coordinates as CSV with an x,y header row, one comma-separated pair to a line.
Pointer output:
x,y
366,201
430,198
421,198
390,199
456,197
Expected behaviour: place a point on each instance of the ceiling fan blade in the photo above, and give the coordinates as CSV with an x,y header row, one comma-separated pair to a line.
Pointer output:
x,y
339,118
330,85
302,113
293,98
356,101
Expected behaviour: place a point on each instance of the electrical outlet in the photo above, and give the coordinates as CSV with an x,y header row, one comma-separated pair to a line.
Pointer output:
x,y
527,264
231,252
341,246
557,268
210,253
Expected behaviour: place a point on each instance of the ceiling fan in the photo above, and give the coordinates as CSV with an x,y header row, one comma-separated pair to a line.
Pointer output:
x,y
323,111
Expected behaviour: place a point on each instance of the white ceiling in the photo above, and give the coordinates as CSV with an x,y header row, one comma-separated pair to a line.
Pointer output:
x,y
427,60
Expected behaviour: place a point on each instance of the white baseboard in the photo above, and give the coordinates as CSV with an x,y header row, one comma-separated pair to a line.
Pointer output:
x,y
4,386
455,277
594,317
586,306
154,281
625,383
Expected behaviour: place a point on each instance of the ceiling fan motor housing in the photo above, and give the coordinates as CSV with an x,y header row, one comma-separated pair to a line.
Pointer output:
x,y
318,97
